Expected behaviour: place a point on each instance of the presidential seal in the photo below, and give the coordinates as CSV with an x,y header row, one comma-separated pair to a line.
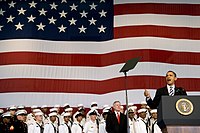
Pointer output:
x,y
184,106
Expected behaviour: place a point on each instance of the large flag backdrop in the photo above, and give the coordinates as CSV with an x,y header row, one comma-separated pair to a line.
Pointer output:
x,y
53,52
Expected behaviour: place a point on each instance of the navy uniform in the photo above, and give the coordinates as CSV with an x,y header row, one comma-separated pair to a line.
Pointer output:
x,y
141,124
77,127
154,128
51,127
36,127
91,126
65,128
8,126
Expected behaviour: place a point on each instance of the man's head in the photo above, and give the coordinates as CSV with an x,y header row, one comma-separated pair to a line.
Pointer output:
x,y
53,116
117,106
44,109
142,113
67,117
154,113
21,115
39,116
171,78
79,117
131,113
93,115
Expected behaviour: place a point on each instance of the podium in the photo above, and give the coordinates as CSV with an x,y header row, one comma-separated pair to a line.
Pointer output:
x,y
179,114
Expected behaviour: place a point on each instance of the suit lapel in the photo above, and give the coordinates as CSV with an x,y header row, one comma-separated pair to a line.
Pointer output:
x,y
165,91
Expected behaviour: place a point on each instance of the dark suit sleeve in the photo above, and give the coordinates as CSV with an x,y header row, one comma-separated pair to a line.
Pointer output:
x,y
109,123
153,104
181,91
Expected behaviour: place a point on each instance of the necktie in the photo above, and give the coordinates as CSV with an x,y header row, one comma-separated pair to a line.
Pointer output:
x,y
68,128
118,117
171,91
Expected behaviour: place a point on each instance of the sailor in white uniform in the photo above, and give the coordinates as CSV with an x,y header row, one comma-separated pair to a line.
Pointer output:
x,y
132,120
77,127
91,125
102,124
52,126
153,122
65,128
141,124
37,126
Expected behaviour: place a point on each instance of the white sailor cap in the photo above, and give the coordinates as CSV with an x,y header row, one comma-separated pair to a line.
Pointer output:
x,y
44,106
38,113
36,110
53,110
67,114
106,110
21,107
21,112
1,111
94,108
142,110
6,114
153,111
57,106
94,103
34,106
66,104
130,104
105,106
144,102
80,105
68,109
134,107
122,107
12,107
53,114
92,112
130,110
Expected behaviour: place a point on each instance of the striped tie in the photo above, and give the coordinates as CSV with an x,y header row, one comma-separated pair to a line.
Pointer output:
x,y
171,91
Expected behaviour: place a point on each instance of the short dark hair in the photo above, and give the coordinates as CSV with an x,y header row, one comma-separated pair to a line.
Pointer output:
x,y
116,102
172,72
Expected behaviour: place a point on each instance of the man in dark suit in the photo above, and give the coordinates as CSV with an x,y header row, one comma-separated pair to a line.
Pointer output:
x,y
116,122
169,90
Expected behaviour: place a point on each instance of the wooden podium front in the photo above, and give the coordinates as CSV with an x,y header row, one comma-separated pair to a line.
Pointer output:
x,y
179,114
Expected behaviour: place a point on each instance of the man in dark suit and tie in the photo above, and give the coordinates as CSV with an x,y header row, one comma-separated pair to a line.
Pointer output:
x,y
169,90
116,122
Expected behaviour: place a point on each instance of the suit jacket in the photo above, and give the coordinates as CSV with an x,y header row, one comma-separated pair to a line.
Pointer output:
x,y
112,125
163,92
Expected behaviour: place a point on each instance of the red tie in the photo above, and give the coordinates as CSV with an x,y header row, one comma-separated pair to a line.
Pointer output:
x,y
118,117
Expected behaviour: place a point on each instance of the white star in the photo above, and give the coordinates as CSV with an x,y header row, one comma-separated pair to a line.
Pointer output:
x,y
32,4
52,20
72,21
62,28
102,1
63,14
102,13
1,26
12,4
83,1
101,29
10,19
73,7
92,21
31,18
83,14
42,12
93,6
21,11
64,1
40,26
19,26
82,29
1,12
53,6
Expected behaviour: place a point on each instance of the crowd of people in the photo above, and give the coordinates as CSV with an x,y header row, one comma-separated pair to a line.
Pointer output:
x,y
78,120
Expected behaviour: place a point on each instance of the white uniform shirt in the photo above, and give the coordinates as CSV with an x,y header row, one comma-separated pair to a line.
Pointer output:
x,y
34,128
102,126
155,128
132,125
140,126
63,128
76,128
90,127
50,128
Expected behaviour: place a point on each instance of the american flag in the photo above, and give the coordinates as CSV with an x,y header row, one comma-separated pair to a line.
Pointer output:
x,y
58,51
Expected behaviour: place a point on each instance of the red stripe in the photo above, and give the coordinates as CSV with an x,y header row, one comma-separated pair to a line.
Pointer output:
x,y
157,31
89,86
99,60
157,8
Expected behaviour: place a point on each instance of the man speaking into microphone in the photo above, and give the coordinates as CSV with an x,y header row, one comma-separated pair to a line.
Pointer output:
x,y
169,90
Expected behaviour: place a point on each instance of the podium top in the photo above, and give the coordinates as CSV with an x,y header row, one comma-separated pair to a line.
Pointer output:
x,y
130,64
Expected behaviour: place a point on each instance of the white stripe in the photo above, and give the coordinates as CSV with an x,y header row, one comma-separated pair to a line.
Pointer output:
x,y
157,19
50,99
95,73
158,1
179,45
